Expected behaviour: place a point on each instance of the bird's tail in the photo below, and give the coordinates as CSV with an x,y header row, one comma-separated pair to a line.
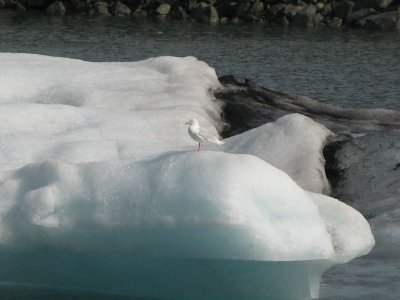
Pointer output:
x,y
215,140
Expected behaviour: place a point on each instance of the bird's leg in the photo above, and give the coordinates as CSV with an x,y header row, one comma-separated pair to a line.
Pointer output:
x,y
198,148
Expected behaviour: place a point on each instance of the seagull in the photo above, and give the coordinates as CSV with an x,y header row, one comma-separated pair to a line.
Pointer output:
x,y
201,136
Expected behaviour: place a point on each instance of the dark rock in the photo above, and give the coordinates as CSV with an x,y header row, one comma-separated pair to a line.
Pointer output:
x,y
203,4
326,10
249,18
9,3
335,22
257,8
365,162
320,6
163,9
275,11
383,3
343,9
100,8
359,4
387,21
318,18
393,7
243,7
179,13
36,3
56,8
360,14
282,20
121,9
150,6
214,18
262,105
223,20
227,9
334,174
132,4
305,17
20,7
79,6
2,4
290,10
236,20
192,5
139,13
206,14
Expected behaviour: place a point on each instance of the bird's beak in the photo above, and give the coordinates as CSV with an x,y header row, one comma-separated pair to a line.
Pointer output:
x,y
187,123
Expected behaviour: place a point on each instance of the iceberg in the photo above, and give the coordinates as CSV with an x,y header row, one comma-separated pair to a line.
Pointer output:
x,y
101,190
302,140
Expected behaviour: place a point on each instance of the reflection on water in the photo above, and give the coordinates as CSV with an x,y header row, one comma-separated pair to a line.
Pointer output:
x,y
57,274
346,67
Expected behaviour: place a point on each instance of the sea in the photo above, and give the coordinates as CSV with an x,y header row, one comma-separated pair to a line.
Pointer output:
x,y
345,67
351,68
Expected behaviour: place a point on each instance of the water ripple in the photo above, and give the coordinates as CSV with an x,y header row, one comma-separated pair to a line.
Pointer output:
x,y
352,68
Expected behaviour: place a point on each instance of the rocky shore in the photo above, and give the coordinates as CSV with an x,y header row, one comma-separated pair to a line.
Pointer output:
x,y
370,14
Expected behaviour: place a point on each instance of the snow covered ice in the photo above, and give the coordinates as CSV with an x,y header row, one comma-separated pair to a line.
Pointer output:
x,y
96,160
293,144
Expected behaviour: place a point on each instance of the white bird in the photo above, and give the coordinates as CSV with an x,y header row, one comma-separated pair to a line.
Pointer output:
x,y
201,136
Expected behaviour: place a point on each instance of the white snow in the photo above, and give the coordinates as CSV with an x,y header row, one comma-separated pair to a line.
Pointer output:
x,y
293,144
238,207
84,111
96,158
346,226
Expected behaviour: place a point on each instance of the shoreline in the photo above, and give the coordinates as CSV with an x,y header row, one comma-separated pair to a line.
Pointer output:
x,y
369,14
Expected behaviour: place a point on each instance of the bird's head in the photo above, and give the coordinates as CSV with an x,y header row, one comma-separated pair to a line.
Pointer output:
x,y
192,122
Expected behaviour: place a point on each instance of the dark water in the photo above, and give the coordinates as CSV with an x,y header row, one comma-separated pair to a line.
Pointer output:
x,y
346,67
349,68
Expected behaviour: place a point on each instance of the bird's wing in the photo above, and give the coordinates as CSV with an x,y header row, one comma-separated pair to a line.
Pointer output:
x,y
209,137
